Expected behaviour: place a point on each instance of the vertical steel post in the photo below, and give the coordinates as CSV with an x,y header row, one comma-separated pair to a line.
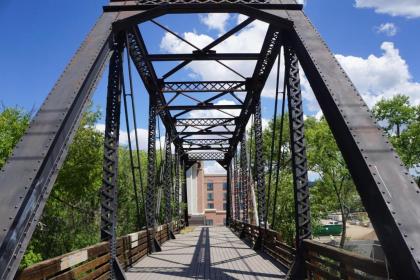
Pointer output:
x,y
260,174
184,193
244,185
168,184
151,177
259,163
177,178
110,165
228,194
299,160
236,187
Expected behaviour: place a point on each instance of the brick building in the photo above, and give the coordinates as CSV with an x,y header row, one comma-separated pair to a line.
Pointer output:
x,y
206,196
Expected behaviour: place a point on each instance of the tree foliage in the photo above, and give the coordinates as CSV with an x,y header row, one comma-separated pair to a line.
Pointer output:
x,y
401,121
13,123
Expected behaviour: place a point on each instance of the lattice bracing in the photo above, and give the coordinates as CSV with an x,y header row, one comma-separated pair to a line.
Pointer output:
x,y
219,86
205,156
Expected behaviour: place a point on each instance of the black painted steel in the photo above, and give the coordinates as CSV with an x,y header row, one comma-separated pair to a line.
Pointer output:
x,y
298,149
109,190
206,122
184,192
269,51
177,183
259,166
299,160
228,194
389,194
151,175
244,181
236,186
203,86
30,172
168,179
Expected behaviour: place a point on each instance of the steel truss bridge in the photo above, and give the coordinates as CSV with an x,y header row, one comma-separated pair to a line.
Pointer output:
x,y
388,192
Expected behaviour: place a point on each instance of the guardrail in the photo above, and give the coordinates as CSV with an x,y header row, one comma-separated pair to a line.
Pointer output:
x,y
328,262
93,262
322,261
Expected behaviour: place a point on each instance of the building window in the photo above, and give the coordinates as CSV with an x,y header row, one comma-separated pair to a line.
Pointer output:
x,y
224,206
224,196
209,222
210,197
224,186
210,186
210,205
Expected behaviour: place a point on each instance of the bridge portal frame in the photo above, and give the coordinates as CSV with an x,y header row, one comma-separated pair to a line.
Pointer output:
x,y
388,192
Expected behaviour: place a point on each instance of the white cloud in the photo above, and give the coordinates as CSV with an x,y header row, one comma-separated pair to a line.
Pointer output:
x,y
142,135
215,21
243,41
375,76
381,77
388,29
406,8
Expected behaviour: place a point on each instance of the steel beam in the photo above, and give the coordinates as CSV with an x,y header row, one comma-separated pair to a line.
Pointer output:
x,y
204,132
139,55
228,193
109,190
244,181
30,172
203,56
236,189
259,163
197,141
388,192
269,51
177,183
198,6
204,106
151,177
205,156
204,86
206,122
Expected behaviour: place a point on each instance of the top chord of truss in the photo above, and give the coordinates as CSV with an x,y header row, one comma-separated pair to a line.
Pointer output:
x,y
118,5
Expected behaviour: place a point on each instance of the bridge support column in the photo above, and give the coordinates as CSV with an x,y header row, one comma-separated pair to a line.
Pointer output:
x,y
168,186
299,161
236,187
184,193
151,179
228,194
244,181
110,166
177,178
260,175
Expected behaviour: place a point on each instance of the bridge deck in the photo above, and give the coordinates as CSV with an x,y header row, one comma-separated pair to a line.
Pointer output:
x,y
205,253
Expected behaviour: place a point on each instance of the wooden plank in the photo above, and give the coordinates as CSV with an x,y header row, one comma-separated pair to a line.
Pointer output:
x,y
365,264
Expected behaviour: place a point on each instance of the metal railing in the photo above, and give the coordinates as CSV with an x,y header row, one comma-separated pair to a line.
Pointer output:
x,y
322,261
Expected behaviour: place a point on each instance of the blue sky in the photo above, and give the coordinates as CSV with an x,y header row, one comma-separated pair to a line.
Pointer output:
x,y
376,41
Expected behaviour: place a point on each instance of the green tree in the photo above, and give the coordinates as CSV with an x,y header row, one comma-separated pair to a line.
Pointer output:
x,y
395,113
334,190
401,121
71,216
13,123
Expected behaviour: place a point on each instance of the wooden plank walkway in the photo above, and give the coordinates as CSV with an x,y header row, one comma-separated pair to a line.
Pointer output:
x,y
205,253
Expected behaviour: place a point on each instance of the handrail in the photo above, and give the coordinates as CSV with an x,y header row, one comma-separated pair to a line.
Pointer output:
x,y
322,261
335,263
93,262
